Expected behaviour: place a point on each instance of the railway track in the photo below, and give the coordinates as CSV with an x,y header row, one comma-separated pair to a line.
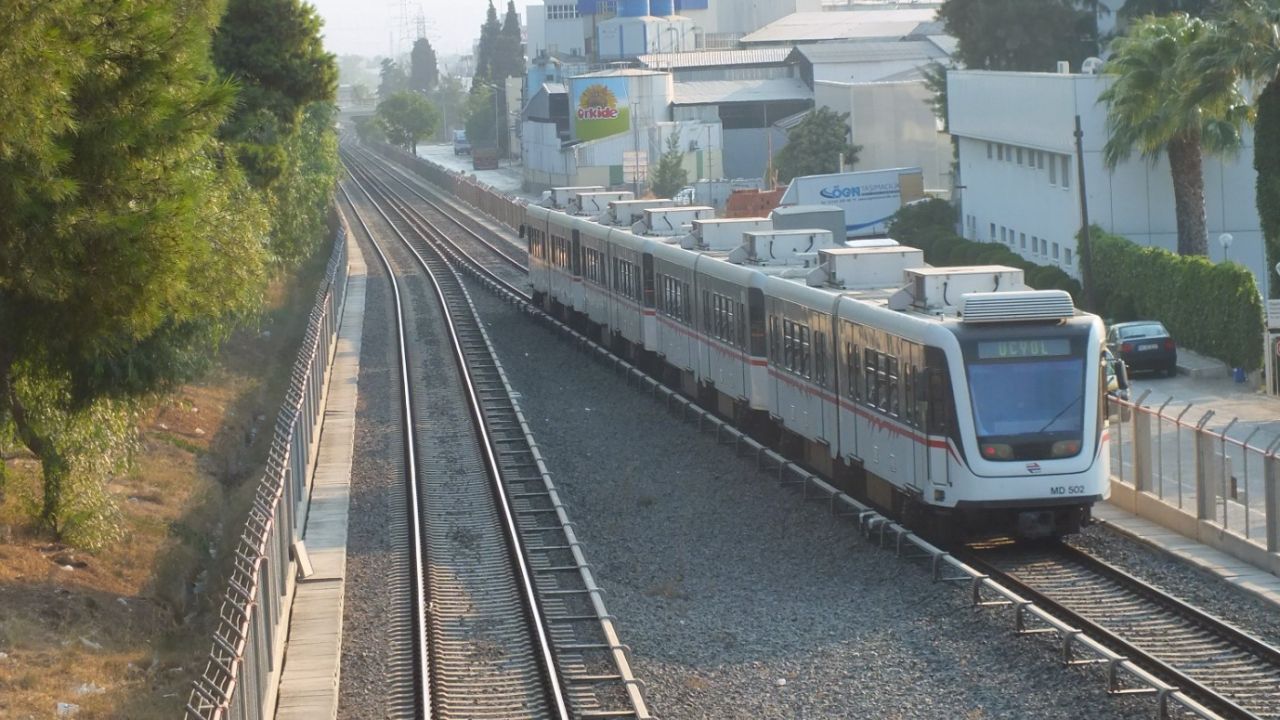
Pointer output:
x,y
512,623
1226,669
1130,669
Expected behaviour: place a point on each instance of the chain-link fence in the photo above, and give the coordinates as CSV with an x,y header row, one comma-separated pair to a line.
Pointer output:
x,y
1214,481
239,678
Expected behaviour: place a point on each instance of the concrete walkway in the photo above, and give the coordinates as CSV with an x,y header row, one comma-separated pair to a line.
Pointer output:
x,y
313,656
1230,569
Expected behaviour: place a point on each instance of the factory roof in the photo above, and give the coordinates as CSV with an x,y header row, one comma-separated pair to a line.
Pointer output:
x,y
719,92
715,58
619,72
870,51
847,25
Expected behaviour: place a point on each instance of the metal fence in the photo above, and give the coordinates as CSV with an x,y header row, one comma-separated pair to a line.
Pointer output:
x,y
1215,482
239,679
460,186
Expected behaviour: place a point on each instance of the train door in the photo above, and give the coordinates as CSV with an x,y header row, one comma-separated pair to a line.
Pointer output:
x,y
757,350
939,411
575,261
912,377
650,320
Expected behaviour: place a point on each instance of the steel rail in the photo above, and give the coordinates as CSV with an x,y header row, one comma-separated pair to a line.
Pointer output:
x,y
396,173
534,614
411,471
1096,604
440,236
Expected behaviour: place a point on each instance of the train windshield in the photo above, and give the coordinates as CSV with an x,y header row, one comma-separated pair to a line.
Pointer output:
x,y
1028,396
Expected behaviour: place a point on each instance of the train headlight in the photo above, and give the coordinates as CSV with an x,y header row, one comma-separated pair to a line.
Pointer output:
x,y
1066,448
997,451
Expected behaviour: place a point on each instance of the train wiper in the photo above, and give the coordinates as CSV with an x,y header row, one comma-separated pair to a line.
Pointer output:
x,y
1055,417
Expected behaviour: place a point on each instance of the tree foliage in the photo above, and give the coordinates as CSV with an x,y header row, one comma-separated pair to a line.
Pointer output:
x,y
481,115
670,176
1243,46
1134,9
273,50
1153,107
424,73
391,79
815,145
1022,35
128,243
1212,308
487,62
407,118
451,99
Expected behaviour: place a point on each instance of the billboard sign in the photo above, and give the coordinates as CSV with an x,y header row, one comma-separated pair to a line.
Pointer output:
x,y
869,198
600,107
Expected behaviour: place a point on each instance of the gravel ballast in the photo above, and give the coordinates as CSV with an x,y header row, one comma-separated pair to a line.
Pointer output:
x,y
738,598
373,669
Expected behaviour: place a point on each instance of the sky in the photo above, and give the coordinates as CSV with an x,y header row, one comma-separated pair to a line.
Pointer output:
x,y
372,27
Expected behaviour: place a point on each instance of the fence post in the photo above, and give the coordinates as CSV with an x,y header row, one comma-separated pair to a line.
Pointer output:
x,y
1141,441
1206,488
1271,478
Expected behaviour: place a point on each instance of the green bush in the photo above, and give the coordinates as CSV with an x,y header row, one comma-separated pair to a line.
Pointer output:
x,y
930,226
1214,309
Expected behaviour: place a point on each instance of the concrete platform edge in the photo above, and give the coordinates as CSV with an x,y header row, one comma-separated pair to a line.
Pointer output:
x,y
310,673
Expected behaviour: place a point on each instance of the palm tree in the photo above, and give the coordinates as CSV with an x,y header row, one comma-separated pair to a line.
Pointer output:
x,y
1156,105
1245,45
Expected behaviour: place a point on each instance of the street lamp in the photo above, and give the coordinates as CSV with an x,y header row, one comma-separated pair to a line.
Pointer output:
x,y
1225,241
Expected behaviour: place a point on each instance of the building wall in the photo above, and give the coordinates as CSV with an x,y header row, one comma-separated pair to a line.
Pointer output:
x,y
1032,198
895,126
859,72
749,150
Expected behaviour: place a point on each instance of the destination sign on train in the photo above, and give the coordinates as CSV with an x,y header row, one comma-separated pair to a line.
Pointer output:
x,y
1039,347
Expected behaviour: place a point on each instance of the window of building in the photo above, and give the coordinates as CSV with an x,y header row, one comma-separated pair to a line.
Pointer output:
x,y
1019,156
1039,160
1055,251
1066,171
993,232
1000,152
1004,234
562,11
1024,241
1053,170
988,151
1066,256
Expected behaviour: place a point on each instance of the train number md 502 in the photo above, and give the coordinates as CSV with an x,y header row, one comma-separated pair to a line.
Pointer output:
x,y
1066,490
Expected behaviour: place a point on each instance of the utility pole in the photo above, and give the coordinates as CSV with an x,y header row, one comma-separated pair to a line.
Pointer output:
x,y
1086,243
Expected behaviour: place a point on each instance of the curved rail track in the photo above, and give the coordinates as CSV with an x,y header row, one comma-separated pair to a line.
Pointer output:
x,y
514,626
1228,670
1179,690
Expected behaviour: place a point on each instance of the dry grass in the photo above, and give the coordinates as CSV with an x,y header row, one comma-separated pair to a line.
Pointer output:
x,y
122,633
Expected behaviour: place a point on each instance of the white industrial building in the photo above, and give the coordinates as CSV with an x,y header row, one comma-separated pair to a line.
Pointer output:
x,y
1018,173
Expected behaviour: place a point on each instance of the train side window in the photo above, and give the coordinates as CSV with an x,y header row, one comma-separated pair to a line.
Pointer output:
x,y
775,341
820,359
870,365
938,408
708,320
890,378
853,371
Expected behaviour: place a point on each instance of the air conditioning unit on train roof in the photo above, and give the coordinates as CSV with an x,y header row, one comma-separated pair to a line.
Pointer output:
x,y
782,247
596,203
670,222
625,213
942,289
722,233
866,268
560,196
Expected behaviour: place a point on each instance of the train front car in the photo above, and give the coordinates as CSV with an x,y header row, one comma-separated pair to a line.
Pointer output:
x,y
1033,454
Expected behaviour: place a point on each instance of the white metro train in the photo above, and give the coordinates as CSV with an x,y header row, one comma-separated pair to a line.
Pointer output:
x,y
953,397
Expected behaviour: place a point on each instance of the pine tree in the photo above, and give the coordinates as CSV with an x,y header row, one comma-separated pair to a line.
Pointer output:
x,y
487,60
670,176
424,73
815,145
124,228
